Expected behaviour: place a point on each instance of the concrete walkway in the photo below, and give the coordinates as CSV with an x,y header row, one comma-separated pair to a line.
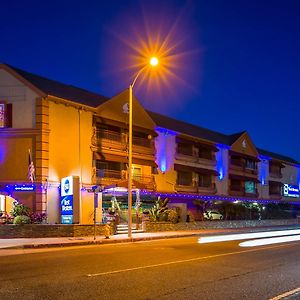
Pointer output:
x,y
34,243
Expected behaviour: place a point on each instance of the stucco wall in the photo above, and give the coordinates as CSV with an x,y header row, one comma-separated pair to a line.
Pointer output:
x,y
23,99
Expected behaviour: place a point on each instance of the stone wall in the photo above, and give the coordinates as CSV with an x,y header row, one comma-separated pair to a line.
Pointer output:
x,y
44,230
166,226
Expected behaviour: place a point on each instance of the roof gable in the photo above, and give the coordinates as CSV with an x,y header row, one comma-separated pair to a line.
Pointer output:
x,y
113,109
243,144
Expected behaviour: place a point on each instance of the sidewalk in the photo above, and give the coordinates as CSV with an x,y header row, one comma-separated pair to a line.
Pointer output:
x,y
34,243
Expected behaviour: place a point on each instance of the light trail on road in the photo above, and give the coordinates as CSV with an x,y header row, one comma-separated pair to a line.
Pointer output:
x,y
245,236
270,241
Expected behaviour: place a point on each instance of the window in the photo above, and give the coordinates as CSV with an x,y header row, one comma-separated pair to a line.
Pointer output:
x,y
204,180
185,149
250,164
250,187
184,178
5,115
205,153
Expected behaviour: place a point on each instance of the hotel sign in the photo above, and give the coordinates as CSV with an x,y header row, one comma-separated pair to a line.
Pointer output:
x,y
291,190
66,201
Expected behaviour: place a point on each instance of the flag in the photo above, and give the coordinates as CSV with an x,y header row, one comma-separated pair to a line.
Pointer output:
x,y
31,170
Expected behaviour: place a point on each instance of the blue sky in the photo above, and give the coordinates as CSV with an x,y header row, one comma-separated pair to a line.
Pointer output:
x,y
237,68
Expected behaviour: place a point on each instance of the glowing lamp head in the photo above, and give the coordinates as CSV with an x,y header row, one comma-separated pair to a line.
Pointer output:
x,y
154,61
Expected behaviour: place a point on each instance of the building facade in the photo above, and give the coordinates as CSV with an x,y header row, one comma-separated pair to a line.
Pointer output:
x,y
74,133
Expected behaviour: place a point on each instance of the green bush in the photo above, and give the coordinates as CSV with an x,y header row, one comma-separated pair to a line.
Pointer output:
x,y
20,210
172,216
19,220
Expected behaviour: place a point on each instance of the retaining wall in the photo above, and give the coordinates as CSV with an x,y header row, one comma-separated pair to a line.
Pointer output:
x,y
166,226
45,230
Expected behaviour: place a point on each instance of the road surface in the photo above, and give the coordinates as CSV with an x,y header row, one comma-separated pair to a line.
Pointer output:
x,y
163,269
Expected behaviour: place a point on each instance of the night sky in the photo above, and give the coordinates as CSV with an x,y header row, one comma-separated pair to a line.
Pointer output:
x,y
233,65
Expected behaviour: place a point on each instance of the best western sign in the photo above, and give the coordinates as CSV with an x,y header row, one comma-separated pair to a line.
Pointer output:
x,y
290,190
69,202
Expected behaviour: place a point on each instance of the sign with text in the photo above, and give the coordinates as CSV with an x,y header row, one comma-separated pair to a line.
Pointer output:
x,y
69,202
290,190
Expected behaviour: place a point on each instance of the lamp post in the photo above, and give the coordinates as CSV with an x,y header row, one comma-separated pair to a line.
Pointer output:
x,y
153,62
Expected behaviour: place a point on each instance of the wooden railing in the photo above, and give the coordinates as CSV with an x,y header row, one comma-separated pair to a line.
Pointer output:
x,y
109,135
105,173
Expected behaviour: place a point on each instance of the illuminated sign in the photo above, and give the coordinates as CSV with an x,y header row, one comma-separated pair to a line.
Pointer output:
x,y
290,190
66,201
23,187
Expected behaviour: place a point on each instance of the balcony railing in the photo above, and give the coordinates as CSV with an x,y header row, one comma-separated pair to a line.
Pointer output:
x,y
275,174
194,188
239,191
139,141
105,173
109,135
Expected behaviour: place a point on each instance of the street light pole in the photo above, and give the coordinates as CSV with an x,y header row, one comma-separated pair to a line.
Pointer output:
x,y
153,62
130,163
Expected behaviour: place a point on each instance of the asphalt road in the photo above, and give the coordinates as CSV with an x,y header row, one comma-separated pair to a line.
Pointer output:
x,y
163,269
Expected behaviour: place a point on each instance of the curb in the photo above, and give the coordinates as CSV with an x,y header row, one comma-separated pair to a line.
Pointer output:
x,y
99,242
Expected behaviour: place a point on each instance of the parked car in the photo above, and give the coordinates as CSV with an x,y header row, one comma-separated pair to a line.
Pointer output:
x,y
212,215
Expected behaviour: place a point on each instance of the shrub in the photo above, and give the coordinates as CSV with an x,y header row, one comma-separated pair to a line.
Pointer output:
x,y
19,220
19,210
172,215
37,218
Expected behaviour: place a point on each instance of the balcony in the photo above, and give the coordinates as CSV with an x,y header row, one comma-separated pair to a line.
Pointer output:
x,y
112,140
240,192
275,174
210,189
239,165
145,181
120,178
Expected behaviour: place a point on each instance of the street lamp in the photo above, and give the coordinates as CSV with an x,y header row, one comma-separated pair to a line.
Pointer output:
x,y
153,62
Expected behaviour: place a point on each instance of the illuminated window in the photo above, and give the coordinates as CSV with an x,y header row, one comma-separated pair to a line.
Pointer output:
x,y
5,115
250,187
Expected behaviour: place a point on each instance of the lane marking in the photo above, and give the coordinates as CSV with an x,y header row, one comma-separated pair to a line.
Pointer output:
x,y
269,241
246,236
286,294
185,260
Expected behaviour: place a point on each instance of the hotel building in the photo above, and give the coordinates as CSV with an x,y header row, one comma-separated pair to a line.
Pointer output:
x,y
79,139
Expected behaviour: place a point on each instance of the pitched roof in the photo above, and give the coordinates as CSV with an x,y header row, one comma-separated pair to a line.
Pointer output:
x,y
210,135
189,129
61,90
277,156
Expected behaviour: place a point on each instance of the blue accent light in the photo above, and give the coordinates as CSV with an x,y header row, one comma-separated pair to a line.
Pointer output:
x,y
221,163
23,187
165,148
264,162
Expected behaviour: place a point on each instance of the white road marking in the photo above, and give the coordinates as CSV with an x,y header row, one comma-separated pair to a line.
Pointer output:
x,y
184,261
286,294
245,236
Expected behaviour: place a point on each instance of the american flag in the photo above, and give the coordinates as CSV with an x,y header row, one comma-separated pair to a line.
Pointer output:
x,y
31,170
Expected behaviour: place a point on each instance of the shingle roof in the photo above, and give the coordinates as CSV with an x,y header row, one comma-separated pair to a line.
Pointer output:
x,y
277,156
207,134
61,90
188,128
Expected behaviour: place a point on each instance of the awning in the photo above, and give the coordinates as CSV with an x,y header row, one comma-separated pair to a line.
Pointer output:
x,y
244,155
185,168
243,178
123,159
